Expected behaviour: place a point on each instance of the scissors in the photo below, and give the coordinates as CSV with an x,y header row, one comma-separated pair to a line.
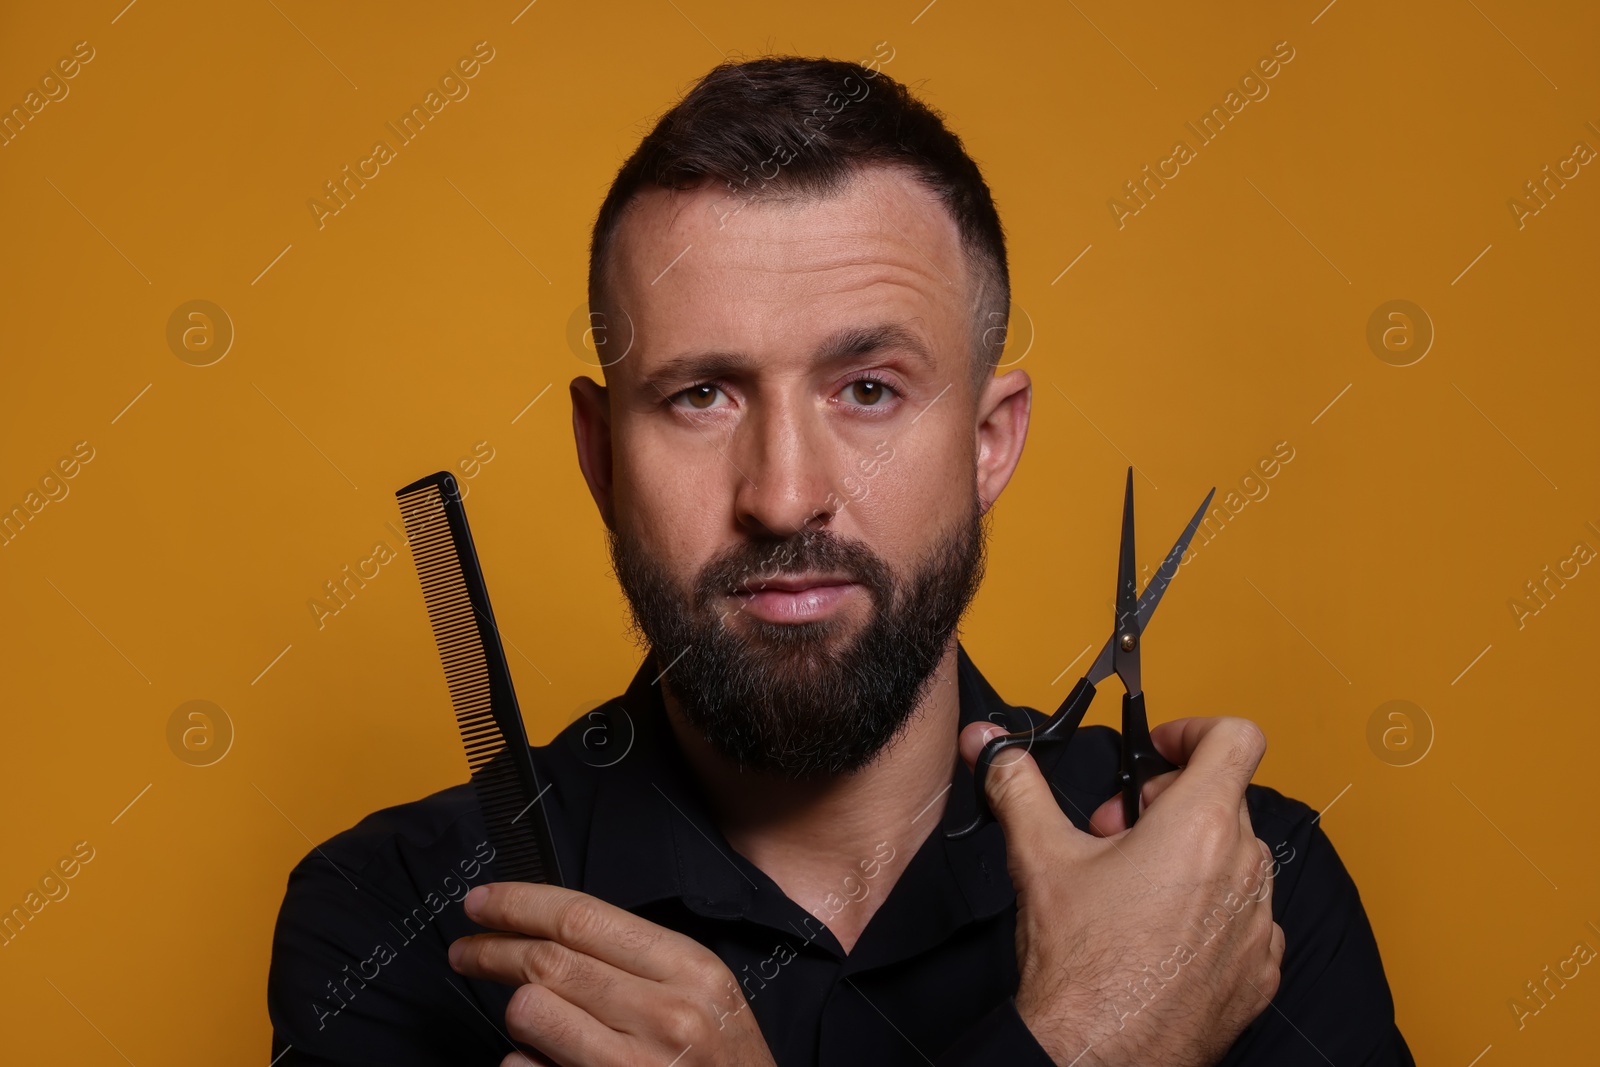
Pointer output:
x,y
1140,761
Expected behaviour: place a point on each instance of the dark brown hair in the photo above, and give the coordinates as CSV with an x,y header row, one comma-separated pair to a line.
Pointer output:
x,y
815,123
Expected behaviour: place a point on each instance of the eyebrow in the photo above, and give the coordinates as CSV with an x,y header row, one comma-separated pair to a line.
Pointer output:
x,y
842,346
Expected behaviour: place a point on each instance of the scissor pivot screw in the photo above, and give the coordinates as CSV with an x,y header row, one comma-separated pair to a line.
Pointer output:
x,y
1129,642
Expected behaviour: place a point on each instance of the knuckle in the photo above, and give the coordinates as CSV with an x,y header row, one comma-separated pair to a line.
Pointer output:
x,y
578,922
682,1025
708,974
567,968
538,960
1271,978
530,1019
1215,827
638,938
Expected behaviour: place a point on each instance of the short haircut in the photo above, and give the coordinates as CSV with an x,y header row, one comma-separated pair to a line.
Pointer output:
x,y
816,122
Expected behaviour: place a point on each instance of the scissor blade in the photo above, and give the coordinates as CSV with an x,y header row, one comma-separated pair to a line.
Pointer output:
x,y
1104,663
1127,567
1169,566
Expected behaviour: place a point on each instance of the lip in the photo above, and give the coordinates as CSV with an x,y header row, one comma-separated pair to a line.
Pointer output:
x,y
796,584
799,599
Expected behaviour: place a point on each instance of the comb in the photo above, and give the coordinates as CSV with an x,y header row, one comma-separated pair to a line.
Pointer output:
x,y
475,669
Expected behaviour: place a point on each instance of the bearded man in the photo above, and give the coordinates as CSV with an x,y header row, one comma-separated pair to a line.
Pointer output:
x,y
795,281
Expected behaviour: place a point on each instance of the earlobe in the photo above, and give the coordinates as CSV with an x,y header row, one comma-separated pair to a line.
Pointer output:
x,y
591,431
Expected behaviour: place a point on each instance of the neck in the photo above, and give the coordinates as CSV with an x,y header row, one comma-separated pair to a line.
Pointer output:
x,y
836,846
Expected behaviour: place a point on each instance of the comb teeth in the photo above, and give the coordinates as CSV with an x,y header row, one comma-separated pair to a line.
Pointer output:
x,y
507,789
506,808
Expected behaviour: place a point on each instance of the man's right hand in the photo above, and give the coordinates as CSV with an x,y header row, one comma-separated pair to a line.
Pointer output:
x,y
1149,945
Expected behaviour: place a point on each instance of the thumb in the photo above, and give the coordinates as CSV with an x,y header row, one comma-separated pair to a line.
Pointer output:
x,y
1022,801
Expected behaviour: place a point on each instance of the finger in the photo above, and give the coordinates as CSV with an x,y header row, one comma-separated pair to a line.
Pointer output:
x,y
583,923
1219,756
1110,818
1270,973
1021,799
526,1059
609,994
1169,740
562,1032
1155,787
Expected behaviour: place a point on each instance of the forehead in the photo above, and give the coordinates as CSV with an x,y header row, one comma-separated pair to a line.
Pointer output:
x,y
706,268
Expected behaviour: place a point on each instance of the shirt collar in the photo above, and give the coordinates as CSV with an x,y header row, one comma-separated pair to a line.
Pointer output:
x,y
652,837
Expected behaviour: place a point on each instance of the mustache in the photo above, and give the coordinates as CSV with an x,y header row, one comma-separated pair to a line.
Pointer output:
x,y
746,568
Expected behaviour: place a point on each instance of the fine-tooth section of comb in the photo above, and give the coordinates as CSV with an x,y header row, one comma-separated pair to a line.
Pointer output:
x,y
479,680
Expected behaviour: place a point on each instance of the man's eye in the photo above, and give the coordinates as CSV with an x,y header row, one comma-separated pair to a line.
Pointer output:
x,y
698,397
867,392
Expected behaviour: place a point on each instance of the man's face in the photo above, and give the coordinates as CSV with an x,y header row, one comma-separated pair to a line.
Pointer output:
x,y
793,488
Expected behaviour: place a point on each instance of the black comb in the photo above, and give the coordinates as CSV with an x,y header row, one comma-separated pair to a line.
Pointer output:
x,y
475,669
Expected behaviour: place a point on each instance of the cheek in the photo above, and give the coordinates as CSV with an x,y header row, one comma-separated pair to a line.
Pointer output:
x,y
918,495
674,505
934,469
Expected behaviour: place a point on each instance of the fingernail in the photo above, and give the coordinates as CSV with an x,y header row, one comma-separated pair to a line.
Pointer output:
x,y
455,954
474,900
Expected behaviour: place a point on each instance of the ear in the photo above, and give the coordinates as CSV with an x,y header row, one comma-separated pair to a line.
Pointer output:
x,y
591,429
1002,428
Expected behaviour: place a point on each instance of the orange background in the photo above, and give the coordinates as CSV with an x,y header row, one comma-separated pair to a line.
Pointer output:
x,y
1223,318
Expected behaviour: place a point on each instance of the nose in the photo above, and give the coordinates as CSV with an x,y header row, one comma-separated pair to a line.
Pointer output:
x,y
782,448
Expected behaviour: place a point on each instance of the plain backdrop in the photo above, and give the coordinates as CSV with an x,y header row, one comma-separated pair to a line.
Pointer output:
x,y
429,321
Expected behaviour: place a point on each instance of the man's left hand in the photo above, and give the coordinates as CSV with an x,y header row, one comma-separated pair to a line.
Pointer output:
x,y
597,985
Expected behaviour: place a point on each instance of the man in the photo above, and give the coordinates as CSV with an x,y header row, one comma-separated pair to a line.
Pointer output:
x,y
796,279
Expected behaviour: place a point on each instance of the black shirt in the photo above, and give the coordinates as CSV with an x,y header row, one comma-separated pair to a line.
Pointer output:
x,y
359,971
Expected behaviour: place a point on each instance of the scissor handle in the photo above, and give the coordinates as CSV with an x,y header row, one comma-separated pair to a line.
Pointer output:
x,y
1058,731
1140,760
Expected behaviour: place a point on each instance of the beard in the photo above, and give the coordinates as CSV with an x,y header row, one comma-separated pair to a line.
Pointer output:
x,y
802,701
